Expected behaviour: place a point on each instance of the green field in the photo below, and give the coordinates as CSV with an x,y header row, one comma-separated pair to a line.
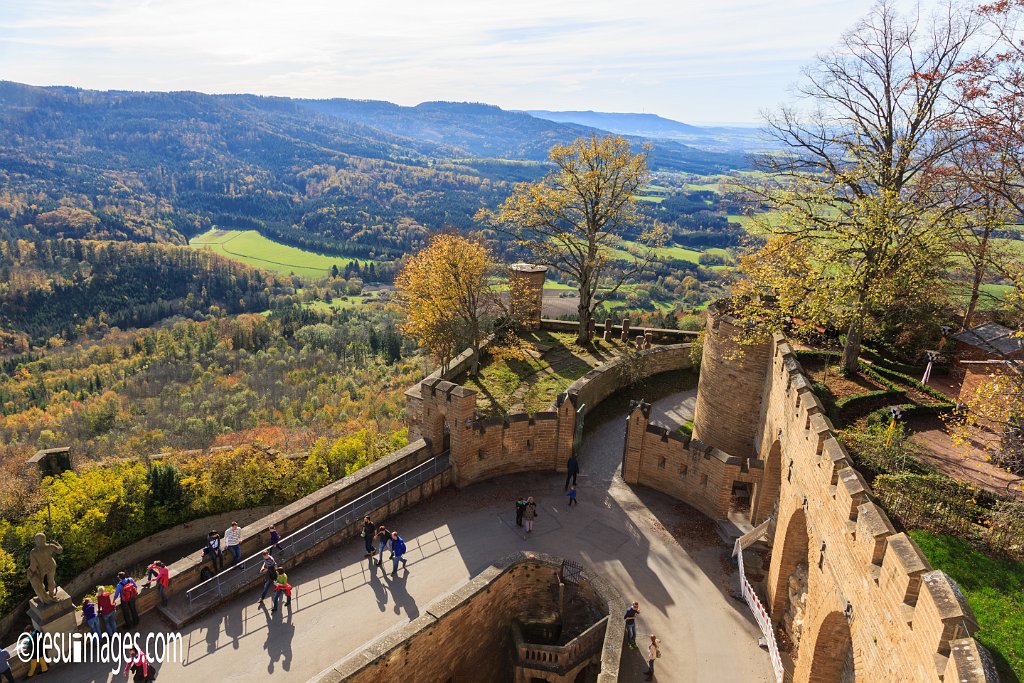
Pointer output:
x,y
248,246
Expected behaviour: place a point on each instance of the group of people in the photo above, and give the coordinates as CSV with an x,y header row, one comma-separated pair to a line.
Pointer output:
x,y
377,538
653,649
274,580
216,544
101,616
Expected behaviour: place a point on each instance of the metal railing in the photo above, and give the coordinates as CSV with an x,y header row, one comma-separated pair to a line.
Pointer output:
x,y
248,570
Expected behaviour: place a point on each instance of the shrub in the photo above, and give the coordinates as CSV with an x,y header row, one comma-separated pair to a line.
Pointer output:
x,y
933,502
876,452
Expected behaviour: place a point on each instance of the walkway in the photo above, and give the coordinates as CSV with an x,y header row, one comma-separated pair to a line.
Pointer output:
x,y
653,548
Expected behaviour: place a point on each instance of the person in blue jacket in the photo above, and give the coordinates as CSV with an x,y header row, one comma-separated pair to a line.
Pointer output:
x,y
397,552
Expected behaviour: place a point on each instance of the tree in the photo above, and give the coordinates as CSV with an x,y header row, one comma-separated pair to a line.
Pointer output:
x,y
992,418
448,296
853,180
576,217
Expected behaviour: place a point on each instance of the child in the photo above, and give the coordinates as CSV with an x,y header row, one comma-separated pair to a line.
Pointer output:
x,y
281,585
520,509
572,496
90,617
275,538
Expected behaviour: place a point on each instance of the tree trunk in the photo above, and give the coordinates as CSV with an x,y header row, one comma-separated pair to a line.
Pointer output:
x,y
851,349
582,335
979,277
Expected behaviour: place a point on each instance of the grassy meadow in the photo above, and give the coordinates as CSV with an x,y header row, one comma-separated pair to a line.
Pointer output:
x,y
249,246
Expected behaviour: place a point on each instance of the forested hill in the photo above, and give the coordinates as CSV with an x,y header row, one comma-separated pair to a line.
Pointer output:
x,y
333,175
68,287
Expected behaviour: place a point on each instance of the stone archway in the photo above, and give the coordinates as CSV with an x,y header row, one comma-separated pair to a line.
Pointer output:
x,y
767,493
832,659
788,591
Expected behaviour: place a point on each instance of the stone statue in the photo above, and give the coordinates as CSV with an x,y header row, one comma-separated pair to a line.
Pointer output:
x,y
42,569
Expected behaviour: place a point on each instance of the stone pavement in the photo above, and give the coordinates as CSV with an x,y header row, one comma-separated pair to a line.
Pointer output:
x,y
652,548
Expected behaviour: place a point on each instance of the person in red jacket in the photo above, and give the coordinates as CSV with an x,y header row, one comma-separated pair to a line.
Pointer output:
x,y
105,605
163,579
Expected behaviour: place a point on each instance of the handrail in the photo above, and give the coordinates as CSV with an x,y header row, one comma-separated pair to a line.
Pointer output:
x,y
246,571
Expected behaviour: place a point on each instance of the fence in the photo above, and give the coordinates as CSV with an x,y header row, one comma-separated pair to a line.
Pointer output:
x,y
754,603
248,570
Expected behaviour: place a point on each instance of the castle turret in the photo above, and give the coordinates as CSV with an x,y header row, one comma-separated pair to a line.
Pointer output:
x,y
526,287
732,378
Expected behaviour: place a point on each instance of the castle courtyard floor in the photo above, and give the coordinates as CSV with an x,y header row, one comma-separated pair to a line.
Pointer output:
x,y
653,549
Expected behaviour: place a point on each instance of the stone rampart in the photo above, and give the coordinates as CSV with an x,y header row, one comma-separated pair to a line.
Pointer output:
x,y
473,626
860,600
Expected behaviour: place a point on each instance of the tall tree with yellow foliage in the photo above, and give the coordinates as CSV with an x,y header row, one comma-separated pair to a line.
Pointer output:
x,y
449,297
574,219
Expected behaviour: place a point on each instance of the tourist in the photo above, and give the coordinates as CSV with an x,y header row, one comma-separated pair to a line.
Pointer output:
x,y
275,539
213,550
163,579
151,573
5,665
383,538
90,617
630,618
29,645
530,513
653,652
127,590
572,468
269,570
108,613
397,552
281,585
520,508
233,540
136,666
572,496
368,535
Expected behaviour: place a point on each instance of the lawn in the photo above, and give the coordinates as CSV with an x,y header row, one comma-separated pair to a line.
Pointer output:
x,y
249,246
532,385
994,588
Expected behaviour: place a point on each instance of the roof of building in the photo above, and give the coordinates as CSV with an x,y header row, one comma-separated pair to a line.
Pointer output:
x,y
993,338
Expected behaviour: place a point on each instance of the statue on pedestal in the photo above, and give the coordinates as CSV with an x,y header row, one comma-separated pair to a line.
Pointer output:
x,y
42,569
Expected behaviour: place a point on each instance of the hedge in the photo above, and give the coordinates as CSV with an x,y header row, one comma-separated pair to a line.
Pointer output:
x,y
910,381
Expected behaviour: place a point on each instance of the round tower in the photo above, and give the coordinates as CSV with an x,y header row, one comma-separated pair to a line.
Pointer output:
x,y
526,287
732,377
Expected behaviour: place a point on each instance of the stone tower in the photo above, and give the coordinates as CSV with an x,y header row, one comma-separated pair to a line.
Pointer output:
x,y
526,287
732,378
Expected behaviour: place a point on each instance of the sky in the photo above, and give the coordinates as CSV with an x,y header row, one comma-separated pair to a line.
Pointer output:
x,y
698,61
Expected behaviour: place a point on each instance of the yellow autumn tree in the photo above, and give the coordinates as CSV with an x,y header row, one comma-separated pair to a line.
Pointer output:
x,y
575,218
449,298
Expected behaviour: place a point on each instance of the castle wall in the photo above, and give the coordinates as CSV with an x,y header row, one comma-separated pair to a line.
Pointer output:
x,y
473,627
686,469
729,393
874,608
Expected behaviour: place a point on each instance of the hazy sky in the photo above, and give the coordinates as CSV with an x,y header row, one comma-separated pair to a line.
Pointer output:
x,y
692,60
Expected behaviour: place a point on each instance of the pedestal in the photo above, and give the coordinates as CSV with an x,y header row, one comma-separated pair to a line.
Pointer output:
x,y
54,617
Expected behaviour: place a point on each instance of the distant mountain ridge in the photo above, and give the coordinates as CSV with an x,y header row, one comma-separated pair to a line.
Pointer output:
x,y
712,138
347,177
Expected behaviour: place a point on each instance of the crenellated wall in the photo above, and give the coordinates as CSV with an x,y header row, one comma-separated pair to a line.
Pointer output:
x,y
485,448
870,608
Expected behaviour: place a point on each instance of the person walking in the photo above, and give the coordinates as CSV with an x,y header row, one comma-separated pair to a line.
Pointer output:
x,y
105,604
520,508
630,618
163,580
213,549
383,538
572,468
530,513
137,667
233,540
275,539
572,496
5,665
653,652
368,534
89,616
397,552
269,570
281,585
127,590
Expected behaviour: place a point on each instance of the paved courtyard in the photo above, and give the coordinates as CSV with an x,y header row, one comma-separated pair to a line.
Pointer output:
x,y
652,548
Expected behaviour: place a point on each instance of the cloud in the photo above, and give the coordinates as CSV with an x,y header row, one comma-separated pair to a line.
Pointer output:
x,y
688,59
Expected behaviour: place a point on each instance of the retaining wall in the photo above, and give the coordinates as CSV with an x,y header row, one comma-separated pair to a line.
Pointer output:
x,y
473,627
